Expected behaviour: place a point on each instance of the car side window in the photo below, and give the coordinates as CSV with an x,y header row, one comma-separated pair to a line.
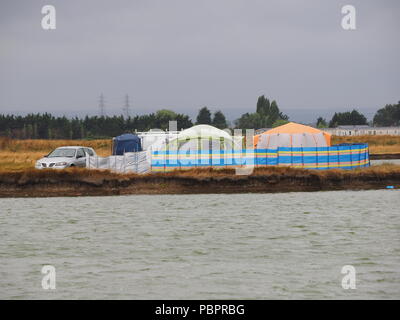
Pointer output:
x,y
80,153
89,152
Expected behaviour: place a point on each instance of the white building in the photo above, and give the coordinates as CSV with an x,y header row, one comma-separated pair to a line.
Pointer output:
x,y
362,130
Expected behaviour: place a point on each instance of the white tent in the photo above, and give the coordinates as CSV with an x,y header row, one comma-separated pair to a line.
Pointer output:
x,y
156,139
204,137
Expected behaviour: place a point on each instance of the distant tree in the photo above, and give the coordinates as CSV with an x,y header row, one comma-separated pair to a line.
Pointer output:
x,y
347,118
250,121
165,113
267,113
35,131
219,120
183,121
204,116
321,123
263,106
163,117
388,116
274,113
358,118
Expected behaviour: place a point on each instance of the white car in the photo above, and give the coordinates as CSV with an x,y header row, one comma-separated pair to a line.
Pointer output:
x,y
64,157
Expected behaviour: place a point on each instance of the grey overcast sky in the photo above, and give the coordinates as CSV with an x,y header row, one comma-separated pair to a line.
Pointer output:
x,y
185,54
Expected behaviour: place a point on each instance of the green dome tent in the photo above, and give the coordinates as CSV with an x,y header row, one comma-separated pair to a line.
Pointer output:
x,y
204,137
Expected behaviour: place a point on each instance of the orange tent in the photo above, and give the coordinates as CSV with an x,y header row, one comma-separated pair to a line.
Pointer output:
x,y
293,135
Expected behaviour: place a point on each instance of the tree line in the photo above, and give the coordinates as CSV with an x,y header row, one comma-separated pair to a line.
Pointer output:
x,y
267,114
47,126
388,116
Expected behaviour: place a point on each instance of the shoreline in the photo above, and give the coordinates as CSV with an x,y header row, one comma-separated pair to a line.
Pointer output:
x,y
81,182
384,156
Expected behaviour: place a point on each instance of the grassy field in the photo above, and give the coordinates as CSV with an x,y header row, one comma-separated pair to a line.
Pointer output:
x,y
16,155
377,144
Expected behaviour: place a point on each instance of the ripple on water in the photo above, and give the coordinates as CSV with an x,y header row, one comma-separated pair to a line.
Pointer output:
x,y
213,246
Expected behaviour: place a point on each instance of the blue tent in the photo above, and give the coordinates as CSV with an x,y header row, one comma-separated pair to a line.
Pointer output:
x,y
126,142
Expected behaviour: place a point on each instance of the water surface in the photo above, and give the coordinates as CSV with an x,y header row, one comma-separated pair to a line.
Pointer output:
x,y
385,161
240,246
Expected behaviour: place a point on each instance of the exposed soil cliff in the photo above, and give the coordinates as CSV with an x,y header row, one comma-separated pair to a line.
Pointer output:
x,y
80,182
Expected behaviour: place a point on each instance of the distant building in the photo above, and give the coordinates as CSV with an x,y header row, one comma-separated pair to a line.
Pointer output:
x,y
362,130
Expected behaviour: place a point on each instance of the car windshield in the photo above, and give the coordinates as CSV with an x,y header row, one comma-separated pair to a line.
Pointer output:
x,y
62,152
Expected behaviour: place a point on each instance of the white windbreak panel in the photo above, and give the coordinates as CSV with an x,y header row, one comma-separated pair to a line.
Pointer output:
x,y
138,162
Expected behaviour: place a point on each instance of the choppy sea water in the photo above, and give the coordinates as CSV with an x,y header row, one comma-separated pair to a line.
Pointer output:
x,y
240,246
384,161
